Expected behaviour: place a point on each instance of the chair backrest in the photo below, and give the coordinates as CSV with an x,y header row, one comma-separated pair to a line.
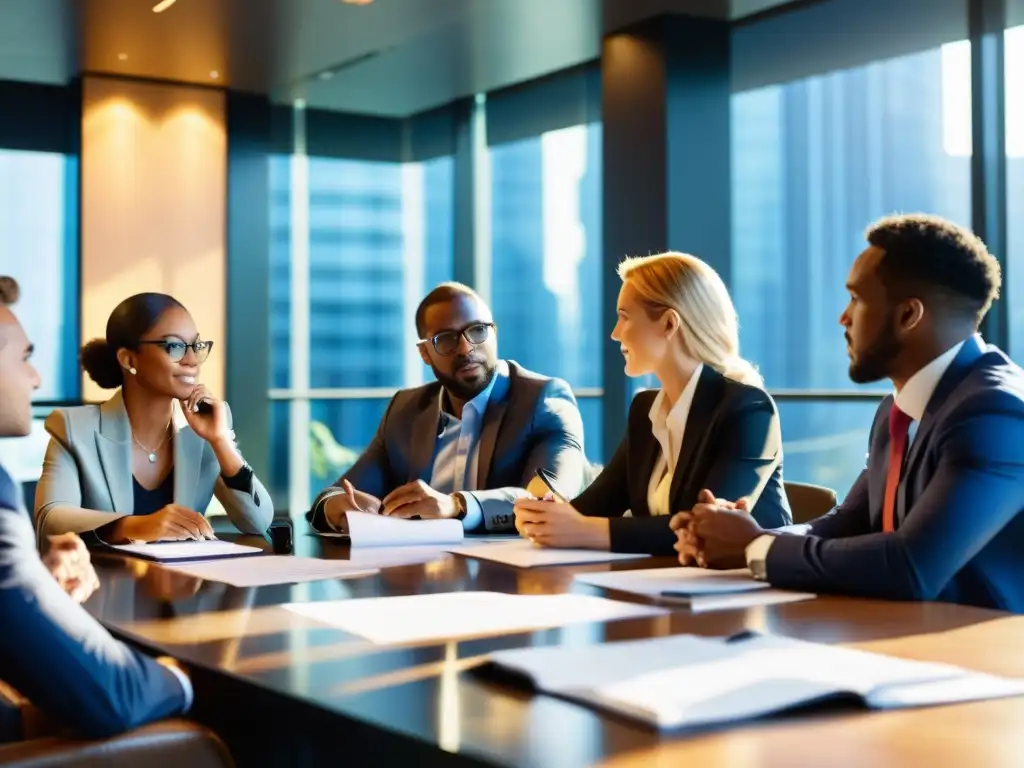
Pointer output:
x,y
808,501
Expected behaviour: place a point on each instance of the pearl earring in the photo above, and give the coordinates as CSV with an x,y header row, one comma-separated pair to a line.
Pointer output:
x,y
132,371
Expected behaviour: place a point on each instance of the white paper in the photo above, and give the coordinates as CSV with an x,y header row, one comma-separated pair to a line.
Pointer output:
x,y
738,600
675,582
687,681
370,530
393,557
524,554
187,550
270,569
456,615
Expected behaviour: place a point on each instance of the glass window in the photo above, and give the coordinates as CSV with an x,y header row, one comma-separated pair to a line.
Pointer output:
x,y
38,248
339,431
825,442
815,161
1014,278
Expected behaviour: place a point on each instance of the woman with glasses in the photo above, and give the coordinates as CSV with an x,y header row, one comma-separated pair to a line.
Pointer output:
x,y
144,465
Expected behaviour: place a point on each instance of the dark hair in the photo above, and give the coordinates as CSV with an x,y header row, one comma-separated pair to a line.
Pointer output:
x,y
9,291
444,292
936,260
128,323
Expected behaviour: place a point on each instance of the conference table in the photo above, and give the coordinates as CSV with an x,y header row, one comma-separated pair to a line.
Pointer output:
x,y
285,690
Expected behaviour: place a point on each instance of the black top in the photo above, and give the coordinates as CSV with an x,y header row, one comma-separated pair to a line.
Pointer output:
x,y
732,446
149,501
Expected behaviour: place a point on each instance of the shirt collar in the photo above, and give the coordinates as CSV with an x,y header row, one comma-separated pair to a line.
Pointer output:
x,y
913,398
675,420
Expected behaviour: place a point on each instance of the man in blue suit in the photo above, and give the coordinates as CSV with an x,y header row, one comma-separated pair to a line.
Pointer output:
x,y
938,513
51,651
466,446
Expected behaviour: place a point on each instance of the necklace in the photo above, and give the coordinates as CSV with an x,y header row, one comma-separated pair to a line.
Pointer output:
x,y
151,454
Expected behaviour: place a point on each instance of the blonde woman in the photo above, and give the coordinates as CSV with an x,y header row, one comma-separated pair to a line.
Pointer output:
x,y
710,430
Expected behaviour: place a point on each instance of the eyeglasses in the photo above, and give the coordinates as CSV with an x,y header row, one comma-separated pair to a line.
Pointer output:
x,y
176,348
446,342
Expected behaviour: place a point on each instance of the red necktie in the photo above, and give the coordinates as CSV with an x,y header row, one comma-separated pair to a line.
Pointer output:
x,y
899,426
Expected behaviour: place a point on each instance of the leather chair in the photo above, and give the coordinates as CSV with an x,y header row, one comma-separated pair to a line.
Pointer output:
x,y
808,501
167,744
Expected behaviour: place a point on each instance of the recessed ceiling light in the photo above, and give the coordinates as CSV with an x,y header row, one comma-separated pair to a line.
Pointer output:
x,y
214,74
357,2
327,75
122,57
163,5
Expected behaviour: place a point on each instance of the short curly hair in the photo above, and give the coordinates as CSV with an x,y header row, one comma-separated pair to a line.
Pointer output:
x,y
9,291
936,260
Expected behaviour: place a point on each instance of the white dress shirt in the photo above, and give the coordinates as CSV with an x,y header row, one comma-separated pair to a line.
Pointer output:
x,y
912,400
669,427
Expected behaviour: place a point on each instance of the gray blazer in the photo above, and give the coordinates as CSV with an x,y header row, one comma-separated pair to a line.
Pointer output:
x,y
532,421
87,474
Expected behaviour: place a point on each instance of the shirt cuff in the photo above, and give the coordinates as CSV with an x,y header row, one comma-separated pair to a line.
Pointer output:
x,y
757,555
474,513
186,684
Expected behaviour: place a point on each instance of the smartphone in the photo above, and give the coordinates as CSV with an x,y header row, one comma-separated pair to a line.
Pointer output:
x,y
548,479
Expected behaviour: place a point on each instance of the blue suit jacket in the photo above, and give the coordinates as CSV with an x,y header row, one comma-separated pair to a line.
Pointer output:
x,y
960,506
531,422
58,656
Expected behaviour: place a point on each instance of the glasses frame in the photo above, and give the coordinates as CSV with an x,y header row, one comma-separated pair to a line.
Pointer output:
x,y
188,345
461,334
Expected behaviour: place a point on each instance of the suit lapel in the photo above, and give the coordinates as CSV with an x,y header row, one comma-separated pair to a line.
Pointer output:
x,y
114,446
702,410
497,407
956,373
424,436
189,450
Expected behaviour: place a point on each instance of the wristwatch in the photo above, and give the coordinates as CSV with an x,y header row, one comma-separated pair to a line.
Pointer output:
x,y
460,506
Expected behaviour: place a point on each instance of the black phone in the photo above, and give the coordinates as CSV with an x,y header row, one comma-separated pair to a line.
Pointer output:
x,y
281,536
205,407
548,478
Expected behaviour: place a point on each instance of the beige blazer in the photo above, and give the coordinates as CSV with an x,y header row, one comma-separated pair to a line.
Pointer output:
x,y
87,473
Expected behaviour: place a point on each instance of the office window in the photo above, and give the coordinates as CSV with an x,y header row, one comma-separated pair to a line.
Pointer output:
x,y
1014,278
546,272
380,235
39,248
815,161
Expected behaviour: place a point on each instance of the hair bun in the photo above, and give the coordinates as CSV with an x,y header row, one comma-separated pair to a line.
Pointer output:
x,y
99,360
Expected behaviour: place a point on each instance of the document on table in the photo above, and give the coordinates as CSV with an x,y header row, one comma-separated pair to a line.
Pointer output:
x,y
365,529
701,589
460,615
180,551
691,682
524,554
272,569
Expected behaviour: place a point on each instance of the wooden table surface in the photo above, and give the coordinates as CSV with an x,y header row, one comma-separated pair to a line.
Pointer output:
x,y
316,694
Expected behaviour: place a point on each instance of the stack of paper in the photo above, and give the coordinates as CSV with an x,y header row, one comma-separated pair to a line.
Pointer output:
x,y
452,615
524,554
692,682
701,589
364,529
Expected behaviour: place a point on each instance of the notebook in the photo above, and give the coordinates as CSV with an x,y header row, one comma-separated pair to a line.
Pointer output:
x,y
181,551
689,682
366,529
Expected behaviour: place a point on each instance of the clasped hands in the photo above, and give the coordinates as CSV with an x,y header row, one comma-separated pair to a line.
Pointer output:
x,y
715,533
69,563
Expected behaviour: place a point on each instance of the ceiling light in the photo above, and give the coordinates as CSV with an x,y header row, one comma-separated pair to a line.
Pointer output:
x,y
122,57
214,74
326,75
357,2
163,5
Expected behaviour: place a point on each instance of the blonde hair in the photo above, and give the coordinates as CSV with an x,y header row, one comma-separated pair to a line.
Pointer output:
x,y
708,323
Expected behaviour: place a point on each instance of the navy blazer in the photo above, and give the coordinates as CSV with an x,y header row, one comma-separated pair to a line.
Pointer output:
x,y
531,422
59,657
732,445
960,505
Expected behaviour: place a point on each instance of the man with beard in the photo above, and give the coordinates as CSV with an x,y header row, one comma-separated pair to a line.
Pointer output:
x,y
467,445
938,513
